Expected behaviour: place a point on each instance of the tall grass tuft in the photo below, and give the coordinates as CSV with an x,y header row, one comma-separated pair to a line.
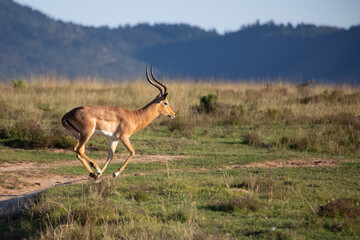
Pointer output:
x,y
181,125
253,139
236,204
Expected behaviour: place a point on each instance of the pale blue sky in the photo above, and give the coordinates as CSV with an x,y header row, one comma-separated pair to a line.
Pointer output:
x,y
221,15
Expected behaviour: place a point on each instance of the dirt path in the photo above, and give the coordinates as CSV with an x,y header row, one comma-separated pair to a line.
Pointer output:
x,y
20,182
8,167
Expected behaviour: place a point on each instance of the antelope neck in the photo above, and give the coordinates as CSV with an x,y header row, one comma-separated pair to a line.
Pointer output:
x,y
146,115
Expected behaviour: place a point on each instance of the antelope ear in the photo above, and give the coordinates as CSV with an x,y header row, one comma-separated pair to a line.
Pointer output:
x,y
164,96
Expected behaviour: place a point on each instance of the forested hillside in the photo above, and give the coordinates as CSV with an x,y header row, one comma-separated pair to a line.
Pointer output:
x,y
267,51
33,43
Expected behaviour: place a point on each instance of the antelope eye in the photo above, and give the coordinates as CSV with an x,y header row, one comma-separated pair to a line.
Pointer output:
x,y
166,103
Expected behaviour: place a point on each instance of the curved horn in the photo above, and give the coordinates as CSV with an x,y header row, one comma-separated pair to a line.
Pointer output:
x,y
151,82
158,82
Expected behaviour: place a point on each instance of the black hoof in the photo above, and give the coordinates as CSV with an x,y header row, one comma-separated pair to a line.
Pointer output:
x,y
93,175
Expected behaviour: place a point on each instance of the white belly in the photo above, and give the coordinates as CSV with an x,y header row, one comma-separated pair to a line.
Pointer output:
x,y
107,134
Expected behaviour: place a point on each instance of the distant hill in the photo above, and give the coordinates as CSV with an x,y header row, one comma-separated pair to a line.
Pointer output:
x,y
33,43
266,51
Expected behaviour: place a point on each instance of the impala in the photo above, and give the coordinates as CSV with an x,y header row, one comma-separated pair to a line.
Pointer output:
x,y
116,123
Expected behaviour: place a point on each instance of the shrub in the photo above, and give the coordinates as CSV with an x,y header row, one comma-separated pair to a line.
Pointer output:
x,y
208,104
19,83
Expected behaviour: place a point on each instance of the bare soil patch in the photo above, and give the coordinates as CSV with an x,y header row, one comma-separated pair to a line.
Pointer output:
x,y
10,167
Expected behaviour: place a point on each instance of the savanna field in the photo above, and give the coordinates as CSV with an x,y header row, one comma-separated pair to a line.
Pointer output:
x,y
247,160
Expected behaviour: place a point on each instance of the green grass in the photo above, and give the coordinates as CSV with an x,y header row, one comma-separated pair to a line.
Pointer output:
x,y
198,202
262,203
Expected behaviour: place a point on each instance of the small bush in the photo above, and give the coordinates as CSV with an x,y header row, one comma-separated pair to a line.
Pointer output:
x,y
208,104
19,83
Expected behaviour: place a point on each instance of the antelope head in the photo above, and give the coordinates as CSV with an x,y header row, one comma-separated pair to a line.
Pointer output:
x,y
161,99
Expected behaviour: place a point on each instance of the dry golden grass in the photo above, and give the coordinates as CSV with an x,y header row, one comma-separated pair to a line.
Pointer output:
x,y
41,102
50,94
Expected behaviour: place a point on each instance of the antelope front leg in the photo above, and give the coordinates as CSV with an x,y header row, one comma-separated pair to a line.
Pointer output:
x,y
113,145
127,144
